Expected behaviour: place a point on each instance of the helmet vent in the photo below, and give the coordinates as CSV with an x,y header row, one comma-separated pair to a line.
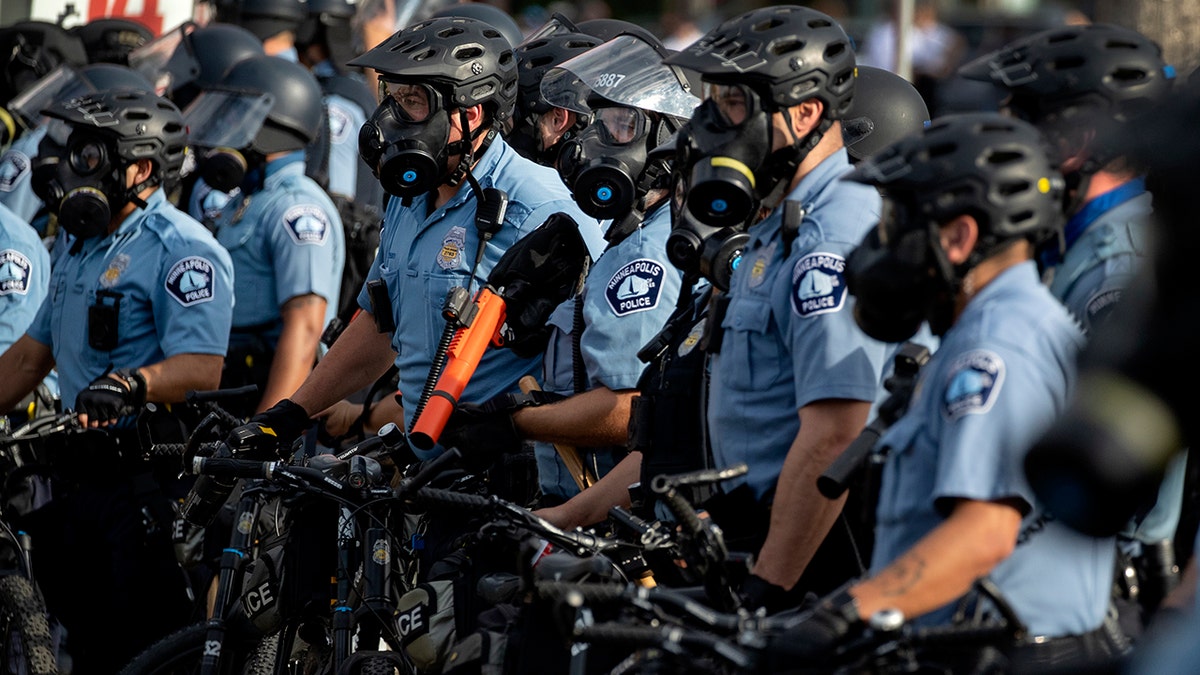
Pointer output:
x,y
491,33
819,23
1062,37
1128,75
424,54
1013,188
1121,44
786,46
449,32
401,44
834,50
506,57
999,157
468,52
762,26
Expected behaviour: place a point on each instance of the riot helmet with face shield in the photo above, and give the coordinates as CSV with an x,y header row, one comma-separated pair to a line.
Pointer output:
x,y
634,104
264,105
191,58
555,42
993,168
103,134
428,72
760,63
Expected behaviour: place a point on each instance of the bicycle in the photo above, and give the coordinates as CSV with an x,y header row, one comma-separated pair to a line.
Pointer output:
x,y
256,625
27,640
669,632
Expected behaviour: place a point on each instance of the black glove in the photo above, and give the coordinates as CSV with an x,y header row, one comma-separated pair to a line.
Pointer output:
x,y
271,432
758,593
106,399
481,435
815,635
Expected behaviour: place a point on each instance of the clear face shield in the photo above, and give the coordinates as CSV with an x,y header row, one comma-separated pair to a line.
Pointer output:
x,y
62,83
557,25
625,71
163,63
226,119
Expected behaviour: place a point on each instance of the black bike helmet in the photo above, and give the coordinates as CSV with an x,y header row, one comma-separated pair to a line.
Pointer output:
x,y
489,14
264,18
111,40
993,167
536,57
886,108
141,125
467,60
296,108
787,54
1062,71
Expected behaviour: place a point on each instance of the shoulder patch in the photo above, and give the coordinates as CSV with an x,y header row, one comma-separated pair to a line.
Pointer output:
x,y
15,272
190,281
307,224
1100,306
974,382
636,287
13,167
818,284
339,124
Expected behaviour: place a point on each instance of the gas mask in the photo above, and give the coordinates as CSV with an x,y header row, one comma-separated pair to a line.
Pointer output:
x,y
84,188
901,277
406,140
605,166
698,248
526,139
225,169
734,171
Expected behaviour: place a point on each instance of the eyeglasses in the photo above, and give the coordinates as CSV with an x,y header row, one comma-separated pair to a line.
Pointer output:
x,y
417,101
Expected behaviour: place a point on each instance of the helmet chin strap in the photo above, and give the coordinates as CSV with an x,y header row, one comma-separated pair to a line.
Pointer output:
x,y
782,164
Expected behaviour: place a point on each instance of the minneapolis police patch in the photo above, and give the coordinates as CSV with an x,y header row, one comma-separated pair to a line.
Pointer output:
x,y
15,271
190,281
14,166
307,224
974,383
818,284
635,287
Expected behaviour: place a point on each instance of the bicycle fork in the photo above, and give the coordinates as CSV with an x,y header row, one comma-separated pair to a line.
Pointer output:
x,y
232,558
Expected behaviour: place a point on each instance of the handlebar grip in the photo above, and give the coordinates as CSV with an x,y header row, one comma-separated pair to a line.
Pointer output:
x,y
428,472
167,449
232,468
453,499
835,480
591,593
634,636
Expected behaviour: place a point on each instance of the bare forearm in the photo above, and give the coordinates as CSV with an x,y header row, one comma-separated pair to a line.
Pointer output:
x,y
24,364
801,517
943,565
169,380
592,505
357,359
593,418
296,351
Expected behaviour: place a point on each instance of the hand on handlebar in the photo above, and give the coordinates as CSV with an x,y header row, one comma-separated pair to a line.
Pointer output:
x,y
815,635
108,398
270,432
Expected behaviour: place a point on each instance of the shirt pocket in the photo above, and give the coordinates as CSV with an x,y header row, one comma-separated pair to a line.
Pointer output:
x,y
909,475
751,347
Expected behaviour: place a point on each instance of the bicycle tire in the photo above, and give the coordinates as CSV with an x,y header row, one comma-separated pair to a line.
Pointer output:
x,y
180,652
25,615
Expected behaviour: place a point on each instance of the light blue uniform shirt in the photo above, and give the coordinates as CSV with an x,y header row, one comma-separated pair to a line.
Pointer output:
x,y
285,240
176,286
422,257
789,334
205,203
16,167
345,119
1002,375
1095,270
629,294
24,276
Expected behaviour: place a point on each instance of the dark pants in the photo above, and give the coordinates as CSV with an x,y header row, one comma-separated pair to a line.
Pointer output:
x,y
112,581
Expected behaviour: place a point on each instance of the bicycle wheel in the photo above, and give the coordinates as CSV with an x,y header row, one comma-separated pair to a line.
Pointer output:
x,y
180,652
29,646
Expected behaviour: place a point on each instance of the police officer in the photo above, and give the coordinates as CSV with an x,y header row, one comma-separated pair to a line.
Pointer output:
x,y
538,127
886,107
433,143
1085,87
282,231
792,365
634,103
138,311
967,202
273,22
24,275
17,163
111,40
